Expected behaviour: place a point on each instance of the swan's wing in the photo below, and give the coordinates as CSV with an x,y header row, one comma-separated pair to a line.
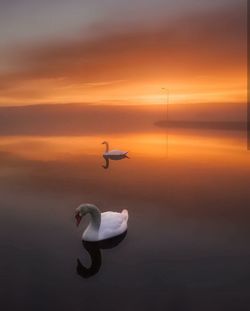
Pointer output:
x,y
117,152
112,224
111,219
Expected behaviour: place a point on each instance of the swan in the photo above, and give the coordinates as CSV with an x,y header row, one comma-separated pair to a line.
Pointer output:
x,y
113,152
102,226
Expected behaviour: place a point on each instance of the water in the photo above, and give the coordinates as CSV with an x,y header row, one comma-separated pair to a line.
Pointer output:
x,y
187,247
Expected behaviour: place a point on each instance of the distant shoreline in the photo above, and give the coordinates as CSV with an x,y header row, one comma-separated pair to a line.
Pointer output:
x,y
204,125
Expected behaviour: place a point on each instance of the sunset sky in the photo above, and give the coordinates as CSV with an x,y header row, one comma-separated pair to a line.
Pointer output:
x,y
122,52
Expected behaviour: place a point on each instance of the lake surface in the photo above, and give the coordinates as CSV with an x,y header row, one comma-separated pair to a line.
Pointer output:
x,y
187,246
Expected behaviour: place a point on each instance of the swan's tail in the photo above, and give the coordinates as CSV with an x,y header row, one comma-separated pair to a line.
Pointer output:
x,y
125,214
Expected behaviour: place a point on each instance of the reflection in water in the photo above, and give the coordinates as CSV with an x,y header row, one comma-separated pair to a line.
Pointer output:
x,y
94,250
198,201
113,157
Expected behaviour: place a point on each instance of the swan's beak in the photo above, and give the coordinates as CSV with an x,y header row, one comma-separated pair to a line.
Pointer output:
x,y
78,218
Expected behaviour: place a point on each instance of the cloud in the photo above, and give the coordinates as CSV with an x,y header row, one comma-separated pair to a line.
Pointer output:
x,y
212,43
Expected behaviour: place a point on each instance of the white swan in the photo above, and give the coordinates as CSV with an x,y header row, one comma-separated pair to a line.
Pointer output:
x,y
113,152
102,226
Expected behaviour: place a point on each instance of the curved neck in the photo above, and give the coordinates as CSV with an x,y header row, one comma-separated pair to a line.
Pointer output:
x,y
107,147
95,217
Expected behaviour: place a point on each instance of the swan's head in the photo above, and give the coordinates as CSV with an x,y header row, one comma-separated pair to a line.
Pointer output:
x,y
104,142
82,210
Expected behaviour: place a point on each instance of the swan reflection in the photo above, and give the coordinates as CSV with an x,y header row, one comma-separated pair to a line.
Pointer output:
x,y
107,158
94,250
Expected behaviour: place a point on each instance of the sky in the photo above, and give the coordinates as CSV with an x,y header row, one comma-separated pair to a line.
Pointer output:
x,y
122,52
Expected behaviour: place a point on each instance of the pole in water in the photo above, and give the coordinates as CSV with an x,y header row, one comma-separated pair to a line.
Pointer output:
x,y
166,91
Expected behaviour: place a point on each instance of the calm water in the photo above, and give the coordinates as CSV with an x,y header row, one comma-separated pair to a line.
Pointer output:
x,y
187,247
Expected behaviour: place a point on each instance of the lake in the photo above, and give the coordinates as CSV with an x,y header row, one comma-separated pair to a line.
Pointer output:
x,y
187,245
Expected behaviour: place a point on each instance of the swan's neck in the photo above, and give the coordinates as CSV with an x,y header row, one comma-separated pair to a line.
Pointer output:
x,y
95,218
107,147
92,231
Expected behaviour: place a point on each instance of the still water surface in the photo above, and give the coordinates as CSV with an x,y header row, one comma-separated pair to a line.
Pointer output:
x,y
187,247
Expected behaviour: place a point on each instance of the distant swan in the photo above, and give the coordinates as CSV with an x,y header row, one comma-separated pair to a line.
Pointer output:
x,y
102,226
113,152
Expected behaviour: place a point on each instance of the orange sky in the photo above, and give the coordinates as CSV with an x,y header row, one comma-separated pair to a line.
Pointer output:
x,y
200,56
